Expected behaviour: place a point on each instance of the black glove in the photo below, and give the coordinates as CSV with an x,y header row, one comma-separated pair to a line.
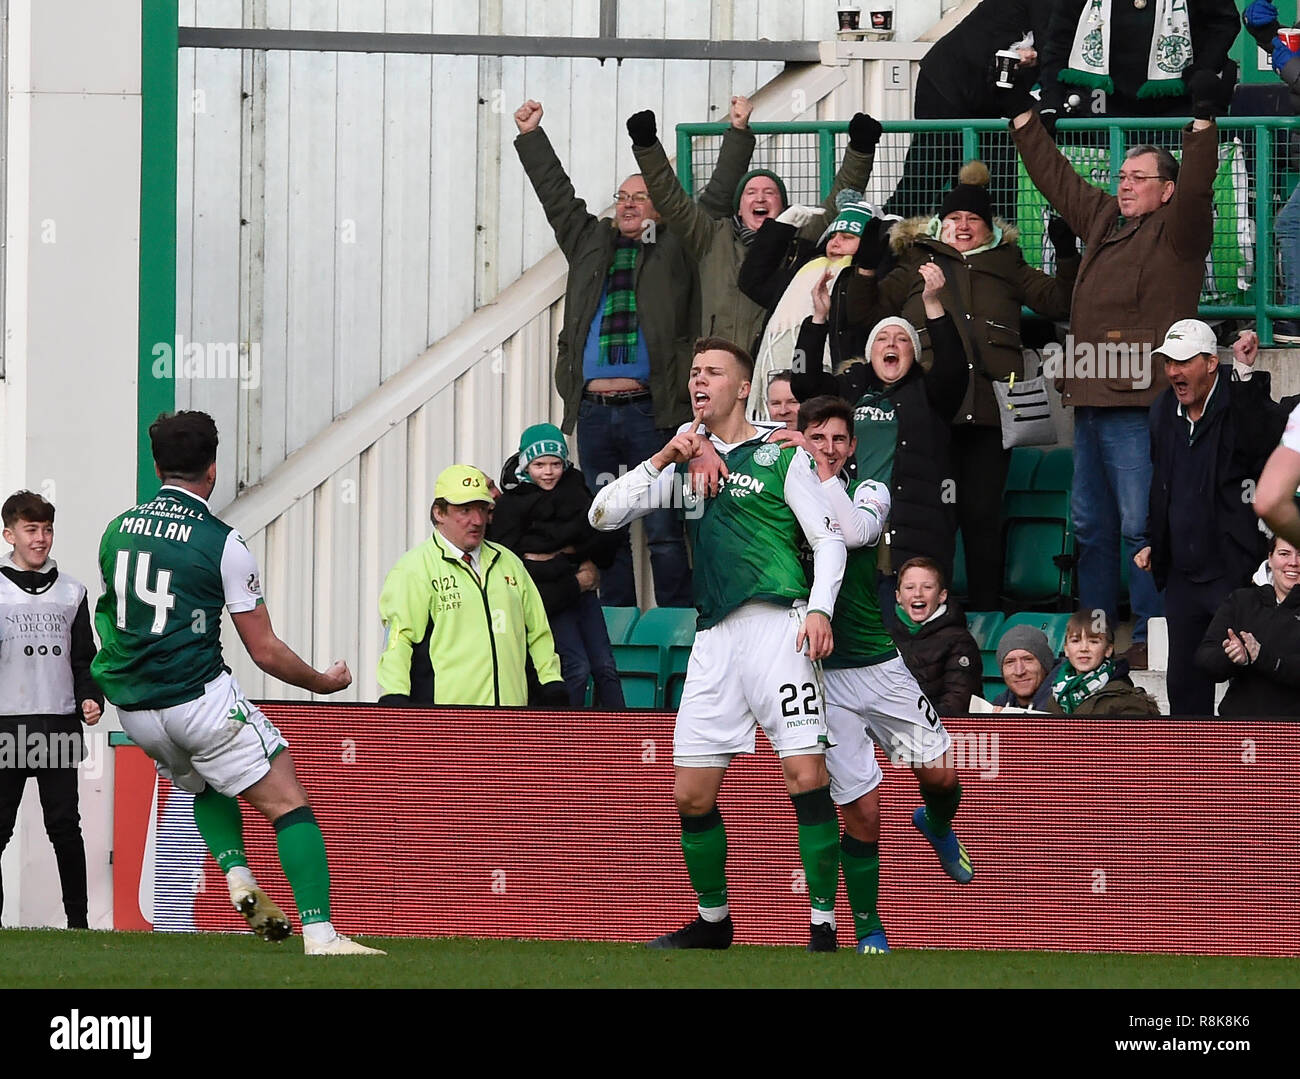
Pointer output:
x,y
1063,238
864,133
873,245
553,694
1011,102
1049,118
396,700
641,126
1212,94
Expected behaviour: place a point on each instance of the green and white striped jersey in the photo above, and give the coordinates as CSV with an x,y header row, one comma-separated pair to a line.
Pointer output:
x,y
169,566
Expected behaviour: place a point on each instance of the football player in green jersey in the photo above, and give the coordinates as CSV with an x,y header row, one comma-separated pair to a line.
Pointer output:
x,y
870,693
760,633
169,566
1277,499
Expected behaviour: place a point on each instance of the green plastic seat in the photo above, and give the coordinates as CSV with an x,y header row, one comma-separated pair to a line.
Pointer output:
x,y
985,626
619,622
1030,576
665,626
639,669
958,586
1017,494
1052,623
655,655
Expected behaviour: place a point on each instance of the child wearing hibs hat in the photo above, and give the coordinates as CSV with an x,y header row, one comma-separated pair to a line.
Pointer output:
x,y
790,277
542,517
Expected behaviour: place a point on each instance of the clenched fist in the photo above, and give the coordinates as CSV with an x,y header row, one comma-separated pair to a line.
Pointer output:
x,y
528,116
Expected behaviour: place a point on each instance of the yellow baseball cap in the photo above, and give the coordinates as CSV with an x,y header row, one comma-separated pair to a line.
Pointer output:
x,y
461,484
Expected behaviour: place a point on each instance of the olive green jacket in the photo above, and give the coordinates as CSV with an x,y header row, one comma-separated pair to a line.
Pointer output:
x,y
715,246
667,290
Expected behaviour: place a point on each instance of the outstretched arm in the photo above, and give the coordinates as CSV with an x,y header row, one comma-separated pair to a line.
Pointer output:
x,y
679,212
718,199
567,214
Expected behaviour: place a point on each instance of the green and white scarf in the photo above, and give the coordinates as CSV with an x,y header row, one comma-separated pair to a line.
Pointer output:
x,y
1071,688
1171,50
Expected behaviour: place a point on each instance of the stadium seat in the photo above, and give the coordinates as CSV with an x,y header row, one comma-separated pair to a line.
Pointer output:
x,y
985,627
655,655
1032,574
958,585
639,671
1019,487
1051,623
619,621
665,626
678,657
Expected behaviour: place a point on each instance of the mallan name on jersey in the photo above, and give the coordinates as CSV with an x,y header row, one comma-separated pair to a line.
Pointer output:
x,y
142,526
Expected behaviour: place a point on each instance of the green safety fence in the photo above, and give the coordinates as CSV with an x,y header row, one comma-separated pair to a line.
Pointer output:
x,y
917,163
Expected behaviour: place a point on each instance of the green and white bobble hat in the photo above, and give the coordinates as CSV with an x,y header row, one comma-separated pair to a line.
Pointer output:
x,y
854,214
540,440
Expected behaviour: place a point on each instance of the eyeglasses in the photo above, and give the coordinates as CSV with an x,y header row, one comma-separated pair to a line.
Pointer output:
x,y
1136,176
640,198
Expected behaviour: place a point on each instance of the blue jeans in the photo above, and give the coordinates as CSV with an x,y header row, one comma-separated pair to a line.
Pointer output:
x,y
1286,228
582,643
1112,484
612,439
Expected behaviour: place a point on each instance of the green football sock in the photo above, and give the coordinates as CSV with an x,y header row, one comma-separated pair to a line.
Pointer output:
x,y
221,825
940,808
302,857
861,864
819,845
704,845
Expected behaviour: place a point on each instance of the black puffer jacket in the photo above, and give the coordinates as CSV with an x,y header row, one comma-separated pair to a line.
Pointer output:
x,y
1271,685
944,659
529,520
920,405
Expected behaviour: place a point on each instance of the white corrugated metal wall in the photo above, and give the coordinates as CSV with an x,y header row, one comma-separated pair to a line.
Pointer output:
x,y
338,213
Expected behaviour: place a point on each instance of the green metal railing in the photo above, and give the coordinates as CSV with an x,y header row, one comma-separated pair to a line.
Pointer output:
x,y
917,162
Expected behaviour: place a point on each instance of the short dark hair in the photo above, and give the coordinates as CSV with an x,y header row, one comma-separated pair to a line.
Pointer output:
x,y
1091,623
1166,163
26,506
927,564
786,375
184,444
817,410
1273,540
721,344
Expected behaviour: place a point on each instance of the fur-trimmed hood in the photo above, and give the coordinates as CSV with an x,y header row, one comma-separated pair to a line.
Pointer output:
x,y
907,232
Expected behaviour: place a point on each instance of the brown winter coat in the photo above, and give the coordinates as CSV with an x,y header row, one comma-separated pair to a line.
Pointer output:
x,y
992,286
1137,278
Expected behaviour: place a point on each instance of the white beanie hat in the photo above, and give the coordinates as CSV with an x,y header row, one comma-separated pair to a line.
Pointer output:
x,y
895,321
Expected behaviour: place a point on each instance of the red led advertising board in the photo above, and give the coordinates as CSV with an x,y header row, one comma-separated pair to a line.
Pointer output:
x,y
1175,836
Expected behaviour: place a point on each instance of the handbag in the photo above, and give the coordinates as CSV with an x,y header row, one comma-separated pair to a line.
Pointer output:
x,y
1024,408
1025,412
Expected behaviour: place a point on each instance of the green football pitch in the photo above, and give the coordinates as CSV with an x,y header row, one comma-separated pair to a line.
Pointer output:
x,y
61,959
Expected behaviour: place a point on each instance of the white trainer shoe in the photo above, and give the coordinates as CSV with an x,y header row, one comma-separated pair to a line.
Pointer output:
x,y
340,945
265,919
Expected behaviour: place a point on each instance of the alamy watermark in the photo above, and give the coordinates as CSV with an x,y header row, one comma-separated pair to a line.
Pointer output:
x,y
1115,361
209,360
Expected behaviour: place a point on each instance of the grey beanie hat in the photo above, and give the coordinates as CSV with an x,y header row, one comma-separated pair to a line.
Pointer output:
x,y
1029,639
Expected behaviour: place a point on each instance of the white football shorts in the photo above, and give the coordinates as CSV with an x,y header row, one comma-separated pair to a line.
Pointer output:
x,y
884,704
745,671
220,739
